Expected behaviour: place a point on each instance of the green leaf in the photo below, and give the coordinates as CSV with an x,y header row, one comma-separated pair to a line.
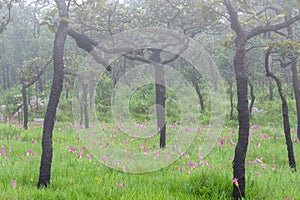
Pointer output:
x,y
51,28
44,23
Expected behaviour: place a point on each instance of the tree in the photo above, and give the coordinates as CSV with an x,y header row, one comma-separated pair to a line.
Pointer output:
x,y
57,85
285,113
241,74
29,74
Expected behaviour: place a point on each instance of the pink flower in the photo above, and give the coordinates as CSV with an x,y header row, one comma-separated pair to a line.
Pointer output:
x,y
121,185
190,164
72,150
273,167
249,163
79,154
88,156
264,166
235,180
14,183
288,198
188,172
180,169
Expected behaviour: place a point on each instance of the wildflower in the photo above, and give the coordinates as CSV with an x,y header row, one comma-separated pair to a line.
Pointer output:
x,y
190,164
235,181
188,172
264,166
249,163
273,167
14,183
180,169
121,185
88,156
72,150
79,154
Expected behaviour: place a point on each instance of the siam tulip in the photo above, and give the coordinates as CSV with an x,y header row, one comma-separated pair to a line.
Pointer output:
x,y
72,150
14,183
180,169
88,156
79,154
235,181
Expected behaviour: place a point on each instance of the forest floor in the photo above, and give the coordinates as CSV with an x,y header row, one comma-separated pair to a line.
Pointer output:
x,y
78,172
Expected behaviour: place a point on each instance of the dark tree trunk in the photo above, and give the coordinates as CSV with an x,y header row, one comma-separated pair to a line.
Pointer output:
x,y
160,93
297,94
271,95
56,88
231,99
243,117
295,82
25,106
195,83
285,115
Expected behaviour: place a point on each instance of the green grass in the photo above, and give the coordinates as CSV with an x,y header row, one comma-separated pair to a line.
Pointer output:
x,y
80,178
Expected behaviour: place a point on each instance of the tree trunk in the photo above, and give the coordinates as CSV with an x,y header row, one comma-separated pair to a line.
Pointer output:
x,y
85,104
271,95
297,94
195,83
56,88
25,106
243,117
295,82
285,115
160,93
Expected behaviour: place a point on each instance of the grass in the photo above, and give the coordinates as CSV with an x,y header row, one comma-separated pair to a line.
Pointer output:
x,y
190,177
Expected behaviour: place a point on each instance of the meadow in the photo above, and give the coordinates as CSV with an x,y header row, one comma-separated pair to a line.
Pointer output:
x,y
78,174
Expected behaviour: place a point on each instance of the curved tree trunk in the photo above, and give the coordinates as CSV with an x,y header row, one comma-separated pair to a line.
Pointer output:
x,y
56,88
195,83
285,115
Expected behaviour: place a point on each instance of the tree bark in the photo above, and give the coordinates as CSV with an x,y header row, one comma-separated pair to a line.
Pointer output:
x,y
271,95
285,115
297,94
56,88
195,83
243,118
25,106
160,93
295,81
